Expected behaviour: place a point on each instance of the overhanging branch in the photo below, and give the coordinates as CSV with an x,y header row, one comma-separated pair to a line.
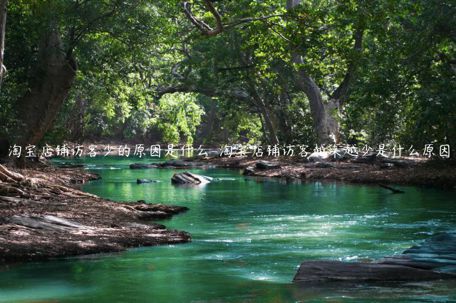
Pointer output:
x,y
342,92
201,25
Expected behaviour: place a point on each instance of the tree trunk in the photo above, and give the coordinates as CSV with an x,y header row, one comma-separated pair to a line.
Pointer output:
x,y
267,119
325,125
3,4
55,73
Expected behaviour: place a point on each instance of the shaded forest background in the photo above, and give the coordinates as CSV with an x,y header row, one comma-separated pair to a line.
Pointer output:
x,y
213,72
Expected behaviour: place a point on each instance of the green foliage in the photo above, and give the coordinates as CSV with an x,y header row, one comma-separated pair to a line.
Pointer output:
x,y
227,86
178,116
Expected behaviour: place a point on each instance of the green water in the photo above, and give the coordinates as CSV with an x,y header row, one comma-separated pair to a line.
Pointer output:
x,y
249,237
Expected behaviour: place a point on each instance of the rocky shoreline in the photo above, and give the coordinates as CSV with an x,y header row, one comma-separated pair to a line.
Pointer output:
x,y
434,259
372,171
44,215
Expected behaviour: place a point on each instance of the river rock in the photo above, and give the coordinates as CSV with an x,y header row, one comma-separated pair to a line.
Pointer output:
x,y
435,258
249,171
319,156
190,178
142,166
180,164
264,165
369,158
326,271
145,181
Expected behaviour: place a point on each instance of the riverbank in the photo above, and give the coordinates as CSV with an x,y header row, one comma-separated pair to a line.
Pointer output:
x,y
419,172
44,215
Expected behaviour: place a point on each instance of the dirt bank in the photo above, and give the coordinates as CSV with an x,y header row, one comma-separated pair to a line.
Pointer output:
x,y
43,215
371,171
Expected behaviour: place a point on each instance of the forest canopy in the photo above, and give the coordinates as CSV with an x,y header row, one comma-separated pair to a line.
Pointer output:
x,y
219,72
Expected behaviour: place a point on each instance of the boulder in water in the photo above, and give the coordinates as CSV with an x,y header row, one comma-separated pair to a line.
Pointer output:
x,y
249,171
433,259
145,181
327,271
142,166
190,179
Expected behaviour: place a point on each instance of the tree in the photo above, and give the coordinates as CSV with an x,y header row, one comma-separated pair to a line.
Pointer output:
x,y
3,6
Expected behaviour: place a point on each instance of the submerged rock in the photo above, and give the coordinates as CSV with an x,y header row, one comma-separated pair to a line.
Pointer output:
x,y
145,181
142,166
180,164
434,259
190,178
326,271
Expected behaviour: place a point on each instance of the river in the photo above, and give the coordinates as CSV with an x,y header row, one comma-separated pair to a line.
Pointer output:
x,y
249,237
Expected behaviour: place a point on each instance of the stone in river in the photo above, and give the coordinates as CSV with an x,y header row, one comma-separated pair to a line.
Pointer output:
x,y
190,178
180,164
433,259
144,181
142,166
327,271
249,171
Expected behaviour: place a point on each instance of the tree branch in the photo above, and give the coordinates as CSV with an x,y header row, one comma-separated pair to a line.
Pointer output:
x,y
342,92
201,25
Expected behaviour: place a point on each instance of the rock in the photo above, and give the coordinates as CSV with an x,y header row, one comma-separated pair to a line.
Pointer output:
x,y
249,171
264,165
175,163
366,159
213,153
339,155
180,164
319,156
190,178
435,258
325,271
142,166
145,181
